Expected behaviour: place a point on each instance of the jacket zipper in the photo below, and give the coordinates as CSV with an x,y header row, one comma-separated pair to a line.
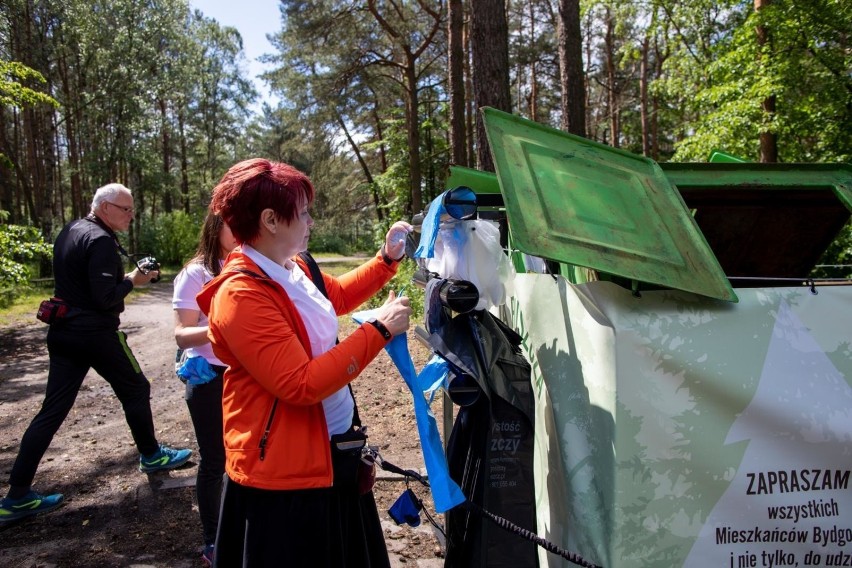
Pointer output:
x,y
265,278
266,432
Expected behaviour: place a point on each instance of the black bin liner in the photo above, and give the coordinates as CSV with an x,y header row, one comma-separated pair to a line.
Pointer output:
x,y
490,450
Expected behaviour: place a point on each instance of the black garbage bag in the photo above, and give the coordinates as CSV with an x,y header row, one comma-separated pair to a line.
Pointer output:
x,y
490,450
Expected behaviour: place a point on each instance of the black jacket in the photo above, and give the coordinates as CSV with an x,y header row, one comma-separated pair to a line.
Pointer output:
x,y
89,274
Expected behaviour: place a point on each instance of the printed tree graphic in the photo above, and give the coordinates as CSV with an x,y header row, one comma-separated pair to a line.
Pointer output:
x,y
800,418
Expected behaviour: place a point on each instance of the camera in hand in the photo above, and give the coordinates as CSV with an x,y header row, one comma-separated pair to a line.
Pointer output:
x,y
148,264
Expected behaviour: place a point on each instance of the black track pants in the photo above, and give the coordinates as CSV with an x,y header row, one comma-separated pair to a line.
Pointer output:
x,y
72,354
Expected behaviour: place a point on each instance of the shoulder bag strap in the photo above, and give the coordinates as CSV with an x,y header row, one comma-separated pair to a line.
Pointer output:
x,y
316,278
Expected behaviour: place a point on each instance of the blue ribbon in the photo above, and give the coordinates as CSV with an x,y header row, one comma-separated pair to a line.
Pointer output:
x,y
445,492
429,228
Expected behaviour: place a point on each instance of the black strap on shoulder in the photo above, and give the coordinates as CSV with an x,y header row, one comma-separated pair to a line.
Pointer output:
x,y
314,269
316,278
247,272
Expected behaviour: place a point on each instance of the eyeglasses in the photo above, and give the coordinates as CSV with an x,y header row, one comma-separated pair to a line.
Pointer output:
x,y
125,209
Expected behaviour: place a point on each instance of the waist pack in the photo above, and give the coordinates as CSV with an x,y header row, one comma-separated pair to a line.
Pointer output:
x,y
52,310
351,469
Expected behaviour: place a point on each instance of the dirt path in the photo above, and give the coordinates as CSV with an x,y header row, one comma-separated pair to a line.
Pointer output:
x,y
116,516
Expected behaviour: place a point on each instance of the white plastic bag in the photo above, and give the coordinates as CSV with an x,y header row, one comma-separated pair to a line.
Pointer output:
x,y
470,250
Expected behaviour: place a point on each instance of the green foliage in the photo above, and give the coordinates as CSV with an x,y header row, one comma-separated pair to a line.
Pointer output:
x,y
19,247
804,66
13,90
172,237
837,259
342,240
402,283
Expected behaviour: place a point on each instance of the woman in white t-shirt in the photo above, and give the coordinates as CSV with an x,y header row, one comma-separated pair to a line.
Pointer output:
x,y
203,371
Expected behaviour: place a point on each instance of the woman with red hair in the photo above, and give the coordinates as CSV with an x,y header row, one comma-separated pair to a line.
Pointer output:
x,y
285,392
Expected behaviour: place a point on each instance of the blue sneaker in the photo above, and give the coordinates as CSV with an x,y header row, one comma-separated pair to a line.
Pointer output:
x,y
30,504
207,555
164,458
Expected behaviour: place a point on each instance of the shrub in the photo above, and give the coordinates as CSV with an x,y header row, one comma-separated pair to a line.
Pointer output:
x,y
19,246
172,238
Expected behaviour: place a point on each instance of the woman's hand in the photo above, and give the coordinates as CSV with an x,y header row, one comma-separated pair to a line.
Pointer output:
x,y
395,314
395,240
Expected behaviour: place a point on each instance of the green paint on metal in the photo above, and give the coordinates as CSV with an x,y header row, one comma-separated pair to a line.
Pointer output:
x,y
575,201
717,156
478,181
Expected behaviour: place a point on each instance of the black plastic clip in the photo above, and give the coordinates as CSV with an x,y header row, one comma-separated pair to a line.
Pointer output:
x,y
812,285
634,286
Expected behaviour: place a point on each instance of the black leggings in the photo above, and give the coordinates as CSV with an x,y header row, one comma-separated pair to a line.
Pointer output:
x,y
205,409
72,354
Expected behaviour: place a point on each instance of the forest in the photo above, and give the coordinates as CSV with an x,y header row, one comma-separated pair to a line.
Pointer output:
x,y
378,97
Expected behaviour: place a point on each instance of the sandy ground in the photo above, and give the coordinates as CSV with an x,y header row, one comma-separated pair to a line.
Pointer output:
x,y
116,516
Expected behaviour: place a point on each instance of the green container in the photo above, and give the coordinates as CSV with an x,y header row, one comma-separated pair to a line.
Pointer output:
x,y
579,202
692,227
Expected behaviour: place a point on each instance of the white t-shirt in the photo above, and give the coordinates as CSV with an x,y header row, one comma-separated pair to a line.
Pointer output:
x,y
188,284
320,321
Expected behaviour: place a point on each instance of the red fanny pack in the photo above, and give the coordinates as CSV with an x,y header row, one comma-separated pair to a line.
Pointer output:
x,y
49,311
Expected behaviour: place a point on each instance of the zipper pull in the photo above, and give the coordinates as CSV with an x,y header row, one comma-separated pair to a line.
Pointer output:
x,y
263,446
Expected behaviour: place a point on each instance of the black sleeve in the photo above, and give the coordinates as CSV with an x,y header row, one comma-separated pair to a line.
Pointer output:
x,y
107,283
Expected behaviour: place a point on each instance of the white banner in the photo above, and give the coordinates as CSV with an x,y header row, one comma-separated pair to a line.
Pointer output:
x,y
676,430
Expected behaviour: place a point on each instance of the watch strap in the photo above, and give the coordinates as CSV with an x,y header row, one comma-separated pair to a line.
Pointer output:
x,y
380,327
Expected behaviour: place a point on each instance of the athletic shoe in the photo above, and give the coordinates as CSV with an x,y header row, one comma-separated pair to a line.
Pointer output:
x,y
207,555
164,458
30,504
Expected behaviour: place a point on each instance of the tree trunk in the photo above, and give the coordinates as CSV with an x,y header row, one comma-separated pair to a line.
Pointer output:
x,y
533,102
412,115
365,168
470,108
768,139
7,192
612,87
167,157
458,141
660,56
572,80
71,133
408,68
489,41
643,98
184,161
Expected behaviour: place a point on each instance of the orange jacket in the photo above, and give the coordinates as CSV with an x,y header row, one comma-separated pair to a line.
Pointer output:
x,y
256,330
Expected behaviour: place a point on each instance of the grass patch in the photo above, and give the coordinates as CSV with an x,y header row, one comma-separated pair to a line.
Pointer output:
x,y
338,267
24,307
399,282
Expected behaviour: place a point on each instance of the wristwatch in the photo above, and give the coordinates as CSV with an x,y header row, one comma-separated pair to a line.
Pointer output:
x,y
388,260
380,327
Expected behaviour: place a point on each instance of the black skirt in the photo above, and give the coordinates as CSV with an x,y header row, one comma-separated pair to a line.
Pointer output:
x,y
330,527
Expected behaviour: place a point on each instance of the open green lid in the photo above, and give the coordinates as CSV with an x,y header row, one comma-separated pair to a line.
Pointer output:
x,y
579,202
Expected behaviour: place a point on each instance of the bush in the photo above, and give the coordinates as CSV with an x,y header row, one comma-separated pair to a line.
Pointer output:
x,y
19,246
402,281
342,241
172,238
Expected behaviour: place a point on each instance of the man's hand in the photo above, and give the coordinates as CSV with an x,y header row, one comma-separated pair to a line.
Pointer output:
x,y
139,278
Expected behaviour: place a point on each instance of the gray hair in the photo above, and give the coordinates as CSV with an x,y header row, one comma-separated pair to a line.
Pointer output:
x,y
107,193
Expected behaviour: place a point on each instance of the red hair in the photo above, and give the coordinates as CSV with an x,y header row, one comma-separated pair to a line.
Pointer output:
x,y
253,185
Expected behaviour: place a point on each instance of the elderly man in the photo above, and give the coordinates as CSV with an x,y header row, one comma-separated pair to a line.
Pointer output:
x,y
90,279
